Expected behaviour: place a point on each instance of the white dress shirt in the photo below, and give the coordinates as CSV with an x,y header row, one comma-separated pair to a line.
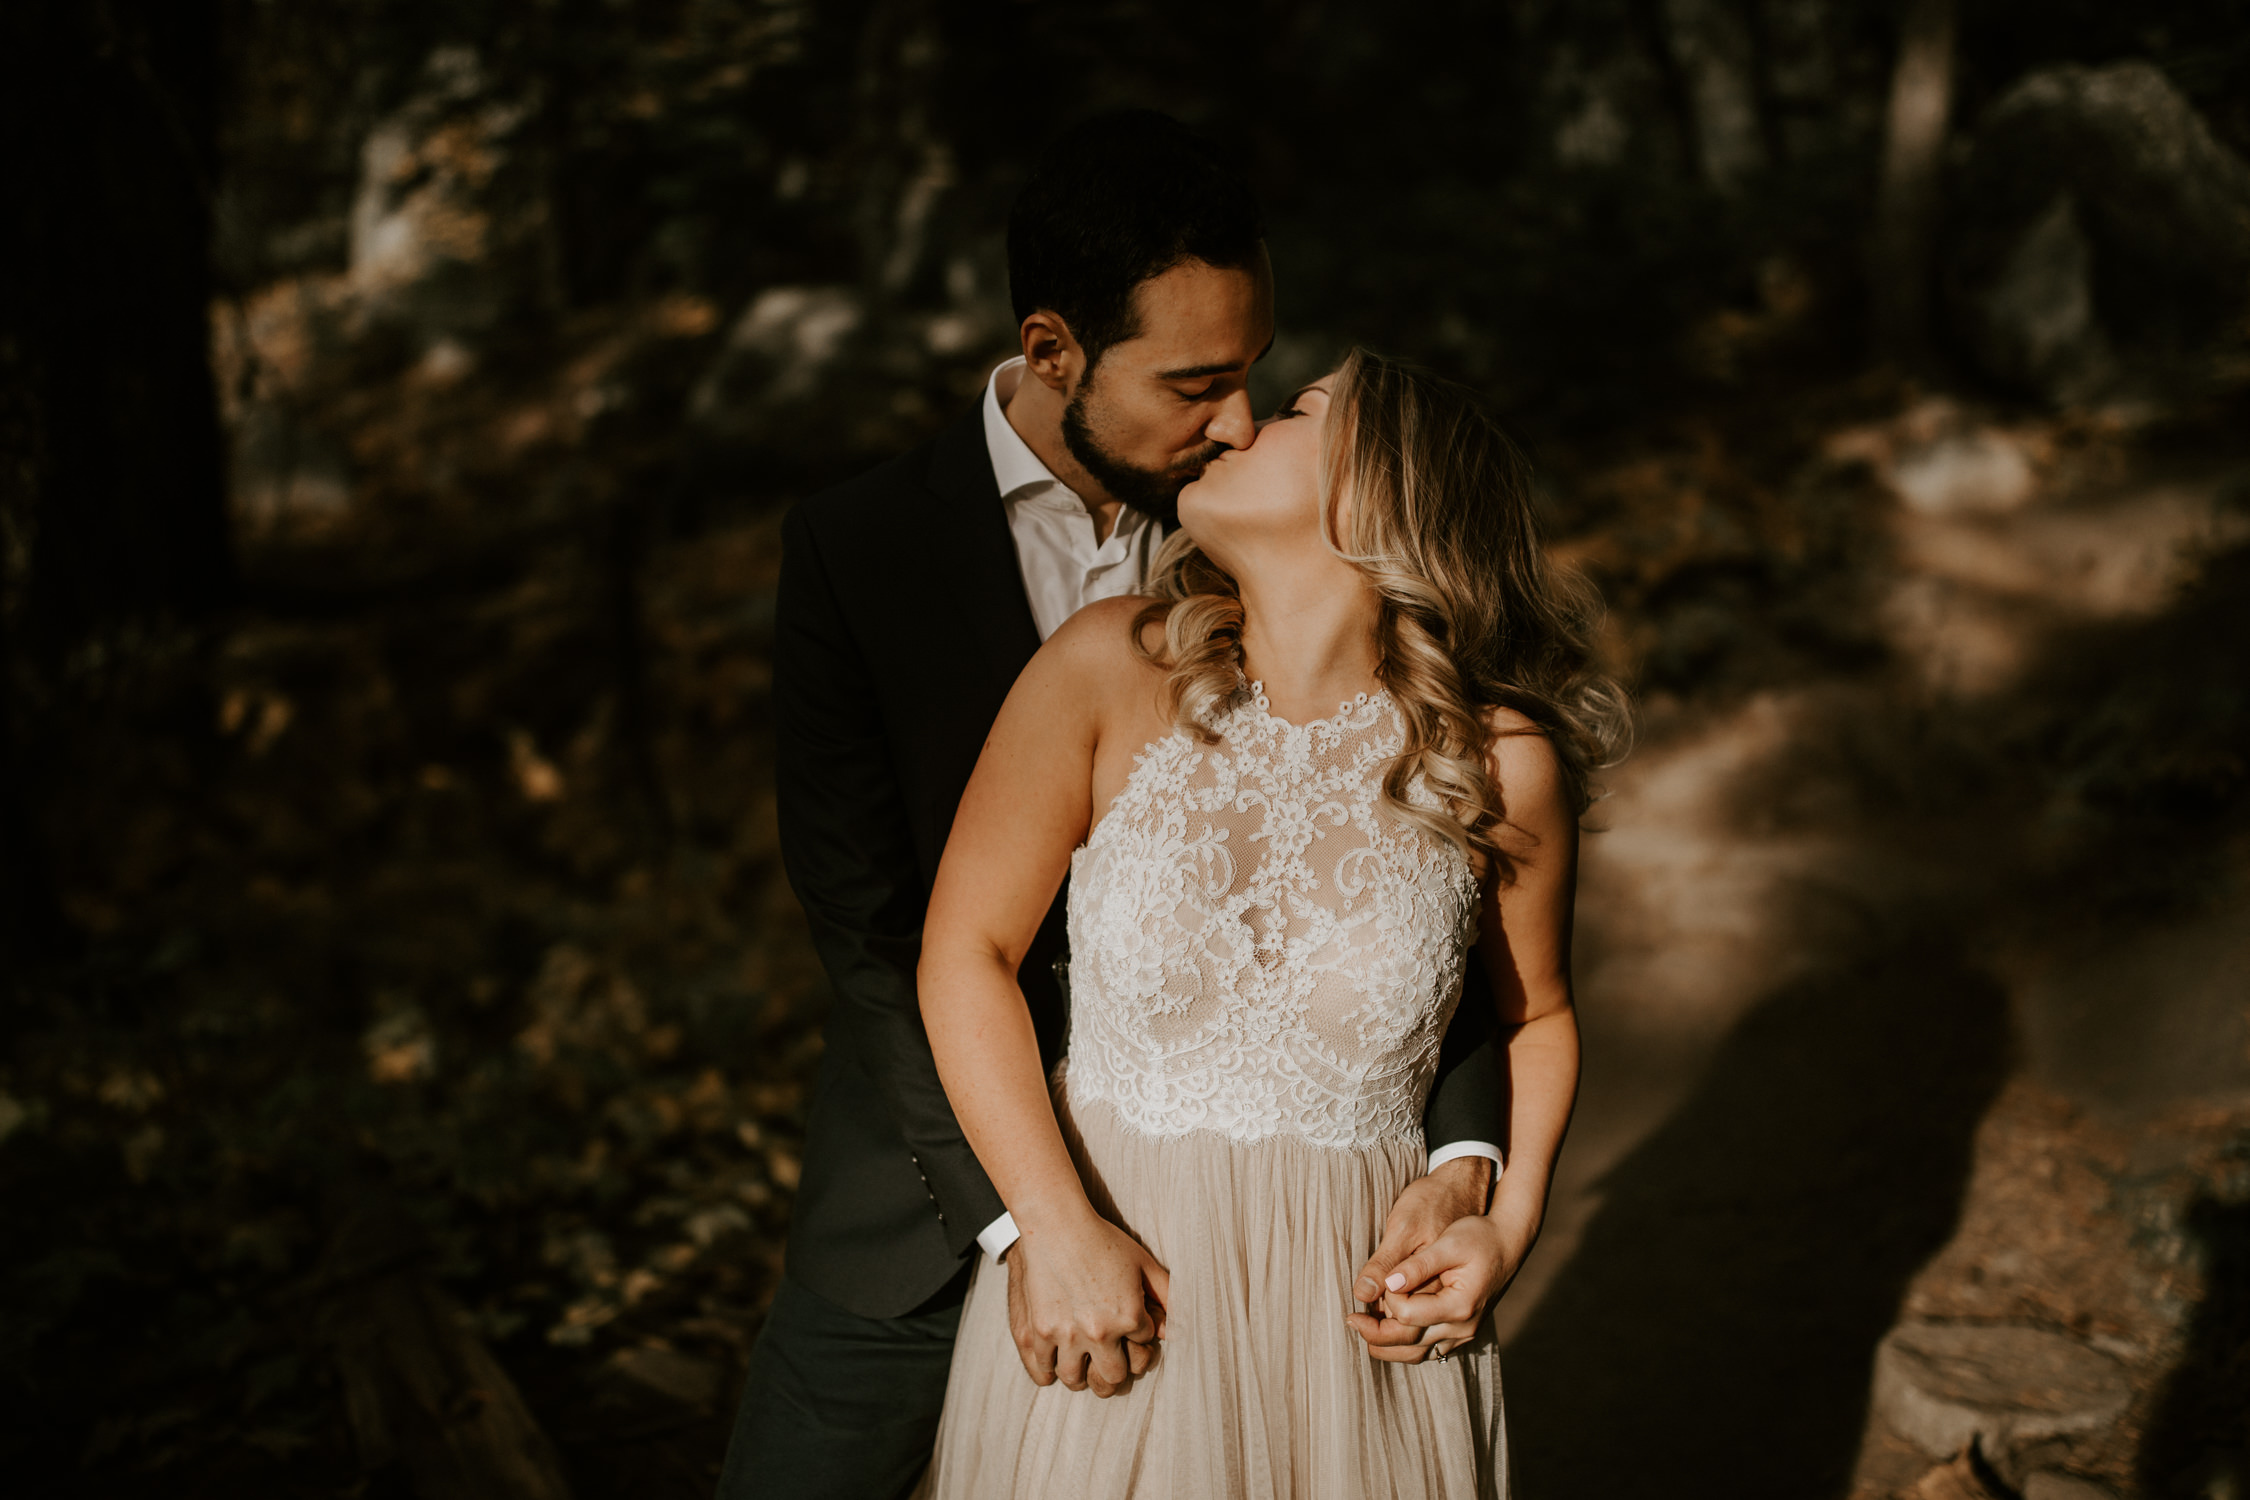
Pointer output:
x,y
1065,568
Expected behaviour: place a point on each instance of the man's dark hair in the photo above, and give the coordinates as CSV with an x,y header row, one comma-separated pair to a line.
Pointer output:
x,y
1116,200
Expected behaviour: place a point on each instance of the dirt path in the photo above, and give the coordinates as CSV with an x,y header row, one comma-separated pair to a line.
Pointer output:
x,y
1829,996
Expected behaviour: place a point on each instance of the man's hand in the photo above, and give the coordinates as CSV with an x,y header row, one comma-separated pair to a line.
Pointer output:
x,y
1086,1305
1437,1241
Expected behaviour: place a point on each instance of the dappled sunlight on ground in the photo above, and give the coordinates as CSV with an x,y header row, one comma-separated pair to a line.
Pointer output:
x,y
1826,928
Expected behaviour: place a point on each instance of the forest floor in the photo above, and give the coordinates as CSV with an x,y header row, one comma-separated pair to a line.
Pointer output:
x,y
1875,1041
443,879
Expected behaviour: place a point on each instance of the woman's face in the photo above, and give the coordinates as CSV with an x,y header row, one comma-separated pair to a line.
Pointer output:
x,y
1263,500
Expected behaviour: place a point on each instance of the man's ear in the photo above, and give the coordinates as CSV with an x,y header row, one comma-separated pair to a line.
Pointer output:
x,y
1050,353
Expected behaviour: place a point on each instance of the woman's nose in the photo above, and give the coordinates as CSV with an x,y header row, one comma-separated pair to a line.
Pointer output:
x,y
1233,423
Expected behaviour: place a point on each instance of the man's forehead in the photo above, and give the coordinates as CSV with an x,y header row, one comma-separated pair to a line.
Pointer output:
x,y
1198,319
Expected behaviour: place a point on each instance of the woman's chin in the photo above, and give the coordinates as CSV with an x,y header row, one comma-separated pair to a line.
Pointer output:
x,y
1190,507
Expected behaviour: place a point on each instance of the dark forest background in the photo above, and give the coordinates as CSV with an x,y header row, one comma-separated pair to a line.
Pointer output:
x,y
406,1020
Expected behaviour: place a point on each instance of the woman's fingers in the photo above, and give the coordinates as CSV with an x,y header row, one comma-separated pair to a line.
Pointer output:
x,y
1159,1287
1383,1332
1442,1338
1159,1280
1107,1368
1450,1304
1420,1267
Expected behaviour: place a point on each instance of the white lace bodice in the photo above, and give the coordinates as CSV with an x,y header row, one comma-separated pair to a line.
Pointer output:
x,y
1259,947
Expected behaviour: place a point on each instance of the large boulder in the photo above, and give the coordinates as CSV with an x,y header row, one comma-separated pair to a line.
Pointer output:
x,y
2101,234
2020,1394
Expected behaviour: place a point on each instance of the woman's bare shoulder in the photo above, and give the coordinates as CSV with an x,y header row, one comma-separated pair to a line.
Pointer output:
x,y
1522,762
1507,723
1105,617
1102,632
1094,647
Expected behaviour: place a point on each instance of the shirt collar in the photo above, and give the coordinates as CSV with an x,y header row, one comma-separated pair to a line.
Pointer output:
x,y
1014,466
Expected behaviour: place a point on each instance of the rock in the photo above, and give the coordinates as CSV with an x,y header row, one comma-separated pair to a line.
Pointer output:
x,y
2003,1387
1958,1480
2034,322
1978,472
2051,1486
770,386
2095,215
779,351
449,222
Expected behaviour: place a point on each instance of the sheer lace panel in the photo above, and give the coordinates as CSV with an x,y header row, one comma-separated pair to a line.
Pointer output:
x,y
1258,946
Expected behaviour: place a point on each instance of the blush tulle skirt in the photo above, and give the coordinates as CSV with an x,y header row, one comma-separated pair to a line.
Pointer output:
x,y
1260,1389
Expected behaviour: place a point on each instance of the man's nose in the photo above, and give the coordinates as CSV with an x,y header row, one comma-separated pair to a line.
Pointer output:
x,y
1233,423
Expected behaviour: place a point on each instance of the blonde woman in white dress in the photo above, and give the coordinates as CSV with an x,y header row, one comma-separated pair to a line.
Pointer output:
x,y
1337,758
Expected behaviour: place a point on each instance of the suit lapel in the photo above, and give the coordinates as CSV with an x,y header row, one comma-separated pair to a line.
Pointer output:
x,y
981,552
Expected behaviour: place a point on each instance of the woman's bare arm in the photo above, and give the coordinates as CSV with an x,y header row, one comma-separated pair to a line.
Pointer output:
x,y
1524,944
1078,1286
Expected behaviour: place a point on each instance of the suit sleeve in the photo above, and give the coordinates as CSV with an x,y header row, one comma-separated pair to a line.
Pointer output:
x,y
1469,1099
848,847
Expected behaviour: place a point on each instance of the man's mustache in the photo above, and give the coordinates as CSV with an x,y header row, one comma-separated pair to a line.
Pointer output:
x,y
1193,468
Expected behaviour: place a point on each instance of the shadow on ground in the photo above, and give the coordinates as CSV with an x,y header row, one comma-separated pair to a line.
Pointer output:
x,y
1712,1334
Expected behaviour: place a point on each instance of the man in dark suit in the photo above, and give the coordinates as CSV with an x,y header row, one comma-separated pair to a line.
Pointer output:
x,y
910,599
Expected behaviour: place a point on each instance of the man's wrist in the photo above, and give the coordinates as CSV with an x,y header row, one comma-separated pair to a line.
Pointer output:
x,y
998,1236
1467,1179
1455,1150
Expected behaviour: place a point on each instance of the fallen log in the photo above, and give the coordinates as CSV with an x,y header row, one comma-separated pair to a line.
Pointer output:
x,y
420,1387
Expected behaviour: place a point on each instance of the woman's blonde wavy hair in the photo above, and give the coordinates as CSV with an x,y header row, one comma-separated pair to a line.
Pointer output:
x,y
1473,613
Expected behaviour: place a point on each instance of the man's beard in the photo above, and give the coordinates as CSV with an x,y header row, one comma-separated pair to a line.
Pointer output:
x,y
1155,492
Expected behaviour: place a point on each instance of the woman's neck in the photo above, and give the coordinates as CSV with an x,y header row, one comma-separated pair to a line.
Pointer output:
x,y
1310,640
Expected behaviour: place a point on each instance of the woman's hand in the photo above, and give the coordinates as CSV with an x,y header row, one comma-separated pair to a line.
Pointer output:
x,y
1435,1300
1427,1208
1086,1304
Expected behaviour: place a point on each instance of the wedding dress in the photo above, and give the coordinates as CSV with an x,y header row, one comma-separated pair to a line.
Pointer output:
x,y
1264,958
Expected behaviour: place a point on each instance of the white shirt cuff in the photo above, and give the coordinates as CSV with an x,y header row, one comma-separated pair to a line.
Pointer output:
x,y
1438,1158
998,1236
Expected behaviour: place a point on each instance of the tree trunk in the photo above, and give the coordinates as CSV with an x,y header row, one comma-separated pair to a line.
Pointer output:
x,y
116,498
1902,256
1714,46
117,110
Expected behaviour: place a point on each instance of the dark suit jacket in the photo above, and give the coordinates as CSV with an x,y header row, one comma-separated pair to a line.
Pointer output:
x,y
902,623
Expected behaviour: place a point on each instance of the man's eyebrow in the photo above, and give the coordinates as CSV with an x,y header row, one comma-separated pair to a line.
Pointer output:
x,y
1197,372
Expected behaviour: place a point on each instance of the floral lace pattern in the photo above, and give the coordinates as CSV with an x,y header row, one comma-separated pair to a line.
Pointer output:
x,y
1259,946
